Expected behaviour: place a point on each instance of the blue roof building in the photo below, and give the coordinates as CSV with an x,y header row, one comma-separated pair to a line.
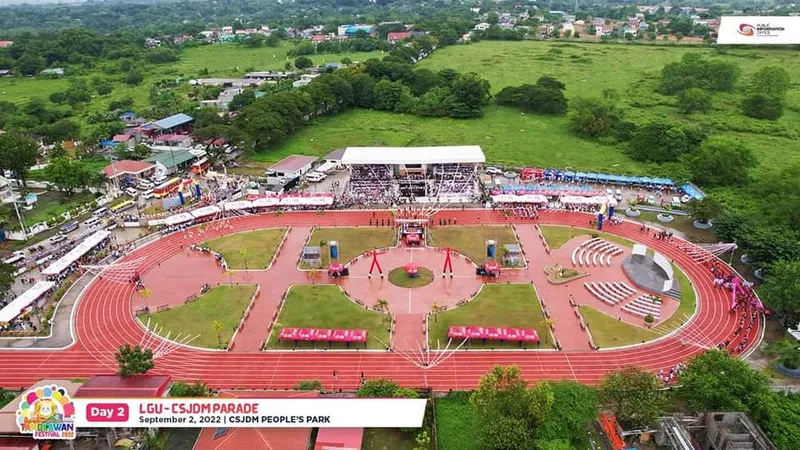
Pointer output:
x,y
352,31
168,123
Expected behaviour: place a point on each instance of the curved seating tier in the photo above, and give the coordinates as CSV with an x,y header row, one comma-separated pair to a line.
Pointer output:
x,y
610,293
644,305
594,252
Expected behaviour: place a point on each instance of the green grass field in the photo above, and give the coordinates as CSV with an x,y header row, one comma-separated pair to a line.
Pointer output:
x,y
556,236
250,250
471,241
324,306
352,241
387,439
456,423
497,305
48,205
223,303
399,277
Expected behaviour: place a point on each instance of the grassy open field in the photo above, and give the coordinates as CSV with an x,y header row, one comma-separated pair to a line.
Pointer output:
x,y
587,69
223,303
497,305
456,423
48,204
250,250
324,306
21,90
556,236
471,241
352,241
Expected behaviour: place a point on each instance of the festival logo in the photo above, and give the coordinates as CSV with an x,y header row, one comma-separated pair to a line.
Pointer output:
x,y
747,30
47,413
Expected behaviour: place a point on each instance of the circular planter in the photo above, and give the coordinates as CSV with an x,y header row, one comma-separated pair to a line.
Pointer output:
x,y
665,218
399,278
759,273
794,373
633,212
745,259
702,225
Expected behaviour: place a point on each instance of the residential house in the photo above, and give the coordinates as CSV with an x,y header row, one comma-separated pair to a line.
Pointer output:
x,y
352,30
128,170
598,22
633,22
483,26
5,44
305,79
58,72
317,38
171,161
5,72
227,30
648,9
644,26
524,15
640,17
605,30
627,29
568,27
173,140
546,29
152,43
539,17
265,76
6,191
557,13
125,140
208,35
178,40
713,24
397,36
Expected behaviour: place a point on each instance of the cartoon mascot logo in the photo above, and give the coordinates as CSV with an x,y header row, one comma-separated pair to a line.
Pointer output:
x,y
747,30
47,413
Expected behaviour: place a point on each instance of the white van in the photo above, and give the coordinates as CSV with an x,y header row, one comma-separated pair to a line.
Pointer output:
x,y
132,192
91,222
57,238
676,202
148,194
315,177
100,212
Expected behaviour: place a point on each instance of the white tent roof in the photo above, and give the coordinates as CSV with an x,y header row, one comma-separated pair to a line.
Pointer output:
x,y
527,198
237,205
76,253
466,154
265,201
205,211
178,219
14,309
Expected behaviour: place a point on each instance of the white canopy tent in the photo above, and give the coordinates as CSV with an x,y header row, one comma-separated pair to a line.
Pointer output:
x,y
14,309
527,198
76,253
205,211
237,205
599,200
178,219
266,202
465,154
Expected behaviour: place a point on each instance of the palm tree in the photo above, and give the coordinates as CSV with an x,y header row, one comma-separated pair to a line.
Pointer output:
x,y
312,275
435,310
549,323
243,254
230,273
388,319
218,326
381,305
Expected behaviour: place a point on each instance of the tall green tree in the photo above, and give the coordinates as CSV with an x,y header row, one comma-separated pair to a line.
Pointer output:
x,y
772,81
658,142
6,278
68,174
713,381
595,118
781,291
134,361
378,387
18,154
183,389
574,405
694,100
503,409
761,106
633,395
721,161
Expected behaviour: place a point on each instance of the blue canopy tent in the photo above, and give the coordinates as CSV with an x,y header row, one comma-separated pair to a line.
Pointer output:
x,y
692,191
569,175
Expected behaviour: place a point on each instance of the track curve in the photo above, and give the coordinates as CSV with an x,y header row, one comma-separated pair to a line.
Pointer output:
x,y
104,321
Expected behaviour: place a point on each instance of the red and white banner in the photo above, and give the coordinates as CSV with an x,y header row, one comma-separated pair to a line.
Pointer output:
x,y
249,413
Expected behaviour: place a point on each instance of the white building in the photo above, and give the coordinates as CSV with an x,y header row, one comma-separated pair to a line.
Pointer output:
x,y
483,26
305,79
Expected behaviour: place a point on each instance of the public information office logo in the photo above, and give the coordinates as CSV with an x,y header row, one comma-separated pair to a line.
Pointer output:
x,y
747,30
47,413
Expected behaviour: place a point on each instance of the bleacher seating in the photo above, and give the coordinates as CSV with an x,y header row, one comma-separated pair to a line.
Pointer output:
x,y
610,293
597,252
642,306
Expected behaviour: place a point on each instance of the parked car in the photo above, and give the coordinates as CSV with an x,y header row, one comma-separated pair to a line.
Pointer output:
x,y
511,175
148,194
132,192
57,238
145,185
102,212
315,177
493,171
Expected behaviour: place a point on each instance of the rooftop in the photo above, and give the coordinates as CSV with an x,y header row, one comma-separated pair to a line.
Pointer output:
x,y
467,154
339,438
126,167
292,163
107,386
170,122
170,159
256,438
335,155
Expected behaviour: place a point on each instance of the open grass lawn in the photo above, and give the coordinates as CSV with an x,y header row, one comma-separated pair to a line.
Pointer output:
x,y
456,423
353,241
48,204
21,90
497,305
557,236
222,303
399,277
387,439
249,250
471,241
229,60
609,332
324,306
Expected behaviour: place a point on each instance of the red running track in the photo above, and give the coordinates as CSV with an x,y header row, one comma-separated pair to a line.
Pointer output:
x,y
104,321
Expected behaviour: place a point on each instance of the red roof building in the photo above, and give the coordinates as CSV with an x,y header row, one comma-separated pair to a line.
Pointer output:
x,y
122,138
339,439
256,438
397,36
4,44
128,167
115,386
320,38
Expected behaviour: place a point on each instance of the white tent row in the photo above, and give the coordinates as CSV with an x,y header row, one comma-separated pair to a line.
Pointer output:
x,y
599,200
14,309
76,253
178,219
199,213
527,198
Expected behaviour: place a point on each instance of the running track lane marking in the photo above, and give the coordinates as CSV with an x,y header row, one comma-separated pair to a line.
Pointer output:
x,y
275,369
570,367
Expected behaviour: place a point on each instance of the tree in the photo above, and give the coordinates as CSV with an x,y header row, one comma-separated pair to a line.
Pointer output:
x,y
658,142
713,381
134,361
134,77
388,95
694,71
548,324
781,291
62,130
493,18
303,62
242,100
30,65
595,118
546,96
381,305
721,161
309,385
633,395
6,278
218,326
772,81
67,174
704,210
574,405
17,154
183,389
502,409
379,387
694,100
760,106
